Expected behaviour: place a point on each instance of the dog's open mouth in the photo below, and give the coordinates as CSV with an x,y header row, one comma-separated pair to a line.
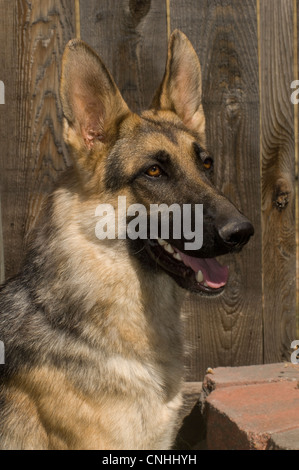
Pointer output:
x,y
201,275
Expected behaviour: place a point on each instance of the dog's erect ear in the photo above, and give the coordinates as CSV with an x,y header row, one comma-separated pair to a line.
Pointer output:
x,y
180,90
91,101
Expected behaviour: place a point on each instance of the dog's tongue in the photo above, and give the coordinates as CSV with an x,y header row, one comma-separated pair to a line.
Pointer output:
x,y
214,274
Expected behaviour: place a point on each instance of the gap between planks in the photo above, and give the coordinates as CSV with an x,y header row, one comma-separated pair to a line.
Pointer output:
x,y
168,18
77,16
296,130
260,135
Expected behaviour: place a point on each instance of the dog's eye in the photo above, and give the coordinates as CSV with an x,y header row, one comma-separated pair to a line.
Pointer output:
x,y
154,171
208,163
206,159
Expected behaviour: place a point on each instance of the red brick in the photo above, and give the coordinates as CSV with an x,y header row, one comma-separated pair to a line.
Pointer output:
x,y
245,416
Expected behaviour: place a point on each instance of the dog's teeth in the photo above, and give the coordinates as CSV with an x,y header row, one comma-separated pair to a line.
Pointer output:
x,y
168,248
205,284
161,242
177,256
199,276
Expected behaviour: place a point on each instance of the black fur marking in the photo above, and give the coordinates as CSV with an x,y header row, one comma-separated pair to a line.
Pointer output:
x,y
201,155
115,178
161,127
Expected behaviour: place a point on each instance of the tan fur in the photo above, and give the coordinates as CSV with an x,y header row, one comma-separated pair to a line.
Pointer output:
x,y
85,422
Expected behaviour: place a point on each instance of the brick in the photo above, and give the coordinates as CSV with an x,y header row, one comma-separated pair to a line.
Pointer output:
x,y
245,416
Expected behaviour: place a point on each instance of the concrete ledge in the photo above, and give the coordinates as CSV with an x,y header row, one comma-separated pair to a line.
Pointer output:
x,y
191,425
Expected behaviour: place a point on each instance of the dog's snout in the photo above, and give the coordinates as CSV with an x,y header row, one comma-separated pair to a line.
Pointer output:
x,y
236,233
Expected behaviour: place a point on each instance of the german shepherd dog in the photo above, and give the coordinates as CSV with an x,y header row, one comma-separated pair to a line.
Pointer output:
x,y
92,328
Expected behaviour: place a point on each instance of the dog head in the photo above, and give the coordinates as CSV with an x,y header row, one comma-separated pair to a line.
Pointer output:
x,y
159,157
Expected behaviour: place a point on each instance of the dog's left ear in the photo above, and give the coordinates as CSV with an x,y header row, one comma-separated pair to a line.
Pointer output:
x,y
180,90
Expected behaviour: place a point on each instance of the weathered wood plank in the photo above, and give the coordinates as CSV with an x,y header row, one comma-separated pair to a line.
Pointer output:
x,y
278,177
2,270
33,36
296,76
228,330
131,38
8,59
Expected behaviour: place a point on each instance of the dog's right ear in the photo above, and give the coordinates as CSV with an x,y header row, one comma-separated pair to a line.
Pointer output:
x,y
91,102
181,88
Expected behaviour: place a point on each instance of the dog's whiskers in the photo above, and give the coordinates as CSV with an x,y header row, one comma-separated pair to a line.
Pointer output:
x,y
137,252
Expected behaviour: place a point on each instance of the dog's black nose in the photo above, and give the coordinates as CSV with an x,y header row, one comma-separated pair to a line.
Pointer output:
x,y
236,233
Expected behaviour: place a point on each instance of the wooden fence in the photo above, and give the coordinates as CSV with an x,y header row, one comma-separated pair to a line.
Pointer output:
x,y
249,55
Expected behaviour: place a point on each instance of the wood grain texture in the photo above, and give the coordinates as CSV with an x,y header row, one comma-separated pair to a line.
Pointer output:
x,y
32,150
227,331
131,38
278,177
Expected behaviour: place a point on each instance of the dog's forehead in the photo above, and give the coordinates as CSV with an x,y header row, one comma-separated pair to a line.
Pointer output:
x,y
155,131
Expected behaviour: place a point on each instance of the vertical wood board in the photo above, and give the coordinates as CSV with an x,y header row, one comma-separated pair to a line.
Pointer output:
x,y
33,153
131,38
278,177
228,330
